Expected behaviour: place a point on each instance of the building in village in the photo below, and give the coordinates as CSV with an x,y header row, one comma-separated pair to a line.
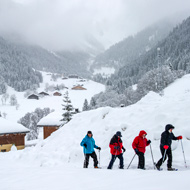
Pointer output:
x,y
73,76
11,133
33,97
78,87
52,122
43,94
57,94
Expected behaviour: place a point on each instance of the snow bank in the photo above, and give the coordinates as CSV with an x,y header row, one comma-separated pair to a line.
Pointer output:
x,y
151,114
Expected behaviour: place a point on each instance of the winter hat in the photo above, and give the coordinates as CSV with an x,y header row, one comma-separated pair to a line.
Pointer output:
x,y
89,132
118,134
169,126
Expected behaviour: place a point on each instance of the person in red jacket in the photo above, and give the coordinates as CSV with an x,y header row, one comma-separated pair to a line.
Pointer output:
x,y
139,145
116,147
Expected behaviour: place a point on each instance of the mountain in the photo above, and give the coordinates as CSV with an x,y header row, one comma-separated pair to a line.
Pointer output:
x,y
173,51
19,63
14,69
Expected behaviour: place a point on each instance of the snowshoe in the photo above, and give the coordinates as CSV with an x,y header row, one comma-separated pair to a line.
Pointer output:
x,y
172,169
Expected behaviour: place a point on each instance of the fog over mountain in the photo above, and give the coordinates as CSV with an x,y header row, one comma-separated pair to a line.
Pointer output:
x,y
79,24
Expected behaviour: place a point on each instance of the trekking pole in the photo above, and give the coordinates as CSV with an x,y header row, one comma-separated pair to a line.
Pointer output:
x,y
152,156
164,156
99,158
131,161
183,154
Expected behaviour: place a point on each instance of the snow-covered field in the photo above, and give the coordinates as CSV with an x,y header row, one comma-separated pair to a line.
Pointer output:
x,y
56,163
77,97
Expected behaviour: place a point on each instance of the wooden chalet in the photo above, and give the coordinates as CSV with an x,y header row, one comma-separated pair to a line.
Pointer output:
x,y
33,97
73,76
11,134
78,87
43,94
51,123
57,94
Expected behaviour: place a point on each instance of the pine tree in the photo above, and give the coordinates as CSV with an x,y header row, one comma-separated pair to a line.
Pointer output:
x,y
67,108
85,105
93,102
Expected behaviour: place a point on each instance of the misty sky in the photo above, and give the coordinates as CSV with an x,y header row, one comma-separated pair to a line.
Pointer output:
x,y
73,24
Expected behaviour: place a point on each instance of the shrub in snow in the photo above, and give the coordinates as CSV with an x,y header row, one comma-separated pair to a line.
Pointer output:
x,y
4,98
13,100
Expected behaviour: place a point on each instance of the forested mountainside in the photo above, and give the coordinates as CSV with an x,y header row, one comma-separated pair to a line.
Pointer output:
x,y
19,63
126,51
14,70
173,51
153,71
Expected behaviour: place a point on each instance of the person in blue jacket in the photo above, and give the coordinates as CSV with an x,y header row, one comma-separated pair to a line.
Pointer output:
x,y
88,144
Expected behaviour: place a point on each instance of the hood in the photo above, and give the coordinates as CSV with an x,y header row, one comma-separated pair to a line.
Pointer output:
x,y
142,133
169,126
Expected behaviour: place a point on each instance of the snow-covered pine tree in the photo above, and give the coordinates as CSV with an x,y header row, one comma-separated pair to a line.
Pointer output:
x,y
85,106
67,108
93,102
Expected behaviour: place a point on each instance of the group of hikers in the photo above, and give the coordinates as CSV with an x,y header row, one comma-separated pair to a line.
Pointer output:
x,y
139,145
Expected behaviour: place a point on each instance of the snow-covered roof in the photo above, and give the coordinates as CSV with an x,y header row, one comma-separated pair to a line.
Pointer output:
x,y
52,119
8,127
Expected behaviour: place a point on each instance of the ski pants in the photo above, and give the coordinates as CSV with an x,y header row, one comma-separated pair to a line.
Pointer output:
x,y
169,154
86,161
120,157
141,163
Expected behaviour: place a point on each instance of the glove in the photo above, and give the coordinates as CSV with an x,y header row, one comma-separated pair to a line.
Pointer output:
x,y
180,137
123,149
116,147
166,147
85,145
99,148
149,141
136,151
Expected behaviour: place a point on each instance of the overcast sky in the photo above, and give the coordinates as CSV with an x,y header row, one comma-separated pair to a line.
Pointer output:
x,y
70,24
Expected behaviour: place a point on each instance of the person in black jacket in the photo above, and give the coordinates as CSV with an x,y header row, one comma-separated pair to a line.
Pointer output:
x,y
165,146
116,147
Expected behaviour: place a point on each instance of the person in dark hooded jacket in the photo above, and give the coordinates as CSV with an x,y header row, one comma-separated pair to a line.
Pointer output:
x,y
165,146
139,145
116,147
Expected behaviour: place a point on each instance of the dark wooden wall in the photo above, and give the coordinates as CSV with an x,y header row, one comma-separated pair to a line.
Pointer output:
x,y
49,130
17,139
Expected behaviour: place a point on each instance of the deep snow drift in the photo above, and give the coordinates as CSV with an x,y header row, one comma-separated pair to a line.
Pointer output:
x,y
56,163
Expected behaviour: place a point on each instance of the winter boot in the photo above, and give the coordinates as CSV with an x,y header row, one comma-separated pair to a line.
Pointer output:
x,y
171,169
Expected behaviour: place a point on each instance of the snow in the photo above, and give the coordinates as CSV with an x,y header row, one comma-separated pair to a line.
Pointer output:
x,y
53,102
52,119
56,162
105,71
11,127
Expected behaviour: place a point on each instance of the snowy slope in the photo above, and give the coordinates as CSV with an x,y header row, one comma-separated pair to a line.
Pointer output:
x,y
77,97
56,163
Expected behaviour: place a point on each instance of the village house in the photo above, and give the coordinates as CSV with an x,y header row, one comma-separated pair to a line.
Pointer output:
x,y
73,76
33,97
43,94
11,133
57,94
78,87
52,122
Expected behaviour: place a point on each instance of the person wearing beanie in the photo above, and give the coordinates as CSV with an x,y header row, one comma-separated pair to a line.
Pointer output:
x,y
139,145
88,144
116,147
165,146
